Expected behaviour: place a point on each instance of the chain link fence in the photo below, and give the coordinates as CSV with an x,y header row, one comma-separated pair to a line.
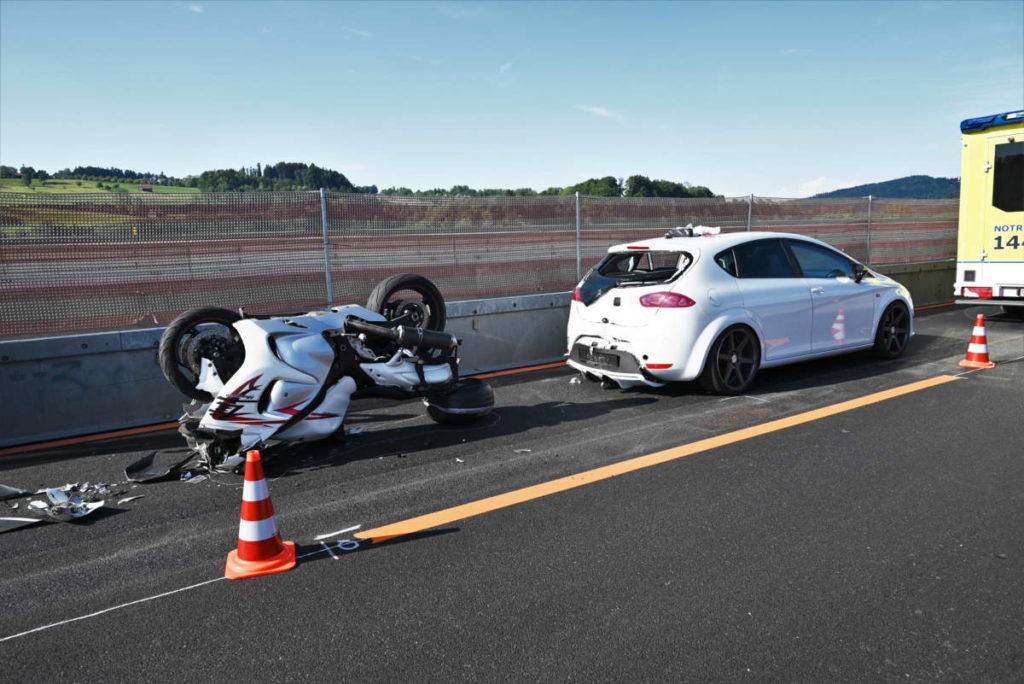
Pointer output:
x,y
96,262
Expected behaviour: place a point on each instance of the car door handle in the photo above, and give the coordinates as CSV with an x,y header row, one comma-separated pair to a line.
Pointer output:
x,y
817,290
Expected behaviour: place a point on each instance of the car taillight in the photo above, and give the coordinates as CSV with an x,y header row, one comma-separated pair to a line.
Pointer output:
x,y
576,297
979,292
659,366
666,300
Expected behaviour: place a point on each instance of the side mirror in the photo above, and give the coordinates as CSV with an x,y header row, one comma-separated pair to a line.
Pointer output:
x,y
859,272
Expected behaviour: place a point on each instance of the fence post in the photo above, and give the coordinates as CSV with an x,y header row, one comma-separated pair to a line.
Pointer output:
x,y
325,223
868,257
579,250
750,209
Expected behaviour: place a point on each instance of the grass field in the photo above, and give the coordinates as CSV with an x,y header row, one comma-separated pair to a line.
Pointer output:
x,y
74,186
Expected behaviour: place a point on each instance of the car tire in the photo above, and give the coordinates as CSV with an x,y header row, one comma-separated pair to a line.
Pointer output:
x,y
893,333
732,362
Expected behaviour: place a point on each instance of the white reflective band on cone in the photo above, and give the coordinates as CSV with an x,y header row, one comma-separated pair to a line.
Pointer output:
x,y
257,530
977,348
255,491
978,332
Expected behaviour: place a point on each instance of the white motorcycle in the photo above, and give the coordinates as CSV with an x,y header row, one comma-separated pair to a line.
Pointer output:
x,y
264,380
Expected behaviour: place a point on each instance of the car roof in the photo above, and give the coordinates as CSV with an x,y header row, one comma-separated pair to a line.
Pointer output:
x,y
710,242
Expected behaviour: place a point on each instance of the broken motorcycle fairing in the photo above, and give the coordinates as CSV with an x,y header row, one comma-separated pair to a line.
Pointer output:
x,y
298,375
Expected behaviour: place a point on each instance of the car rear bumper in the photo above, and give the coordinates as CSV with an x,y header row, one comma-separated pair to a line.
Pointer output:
x,y
613,364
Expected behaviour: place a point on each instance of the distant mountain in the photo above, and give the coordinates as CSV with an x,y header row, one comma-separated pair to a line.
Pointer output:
x,y
910,187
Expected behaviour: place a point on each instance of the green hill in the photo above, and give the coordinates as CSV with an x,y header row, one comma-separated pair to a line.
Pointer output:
x,y
910,187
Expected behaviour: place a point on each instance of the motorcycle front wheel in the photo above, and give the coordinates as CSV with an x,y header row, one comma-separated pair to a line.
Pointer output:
x,y
412,296
206,332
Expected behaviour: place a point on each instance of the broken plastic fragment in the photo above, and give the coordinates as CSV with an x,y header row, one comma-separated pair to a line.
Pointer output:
x,y
355,430
9,524
10,492
575,380
523,451
129,499
459,460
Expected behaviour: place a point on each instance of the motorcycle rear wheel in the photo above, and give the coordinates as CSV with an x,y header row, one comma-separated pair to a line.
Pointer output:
x,y
410,294
206,332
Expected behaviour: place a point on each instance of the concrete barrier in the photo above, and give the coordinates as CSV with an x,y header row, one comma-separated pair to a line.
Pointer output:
x,y
68,386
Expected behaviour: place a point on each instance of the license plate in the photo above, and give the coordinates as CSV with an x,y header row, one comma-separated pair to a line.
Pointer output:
x,y
602,360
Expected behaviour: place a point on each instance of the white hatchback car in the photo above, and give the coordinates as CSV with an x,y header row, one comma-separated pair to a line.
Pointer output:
x,y
716,308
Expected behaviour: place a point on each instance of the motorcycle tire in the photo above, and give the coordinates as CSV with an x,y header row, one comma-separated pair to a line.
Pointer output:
x,y
427,311
181,349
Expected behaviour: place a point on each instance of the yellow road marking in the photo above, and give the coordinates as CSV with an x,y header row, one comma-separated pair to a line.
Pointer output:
x,y
475,508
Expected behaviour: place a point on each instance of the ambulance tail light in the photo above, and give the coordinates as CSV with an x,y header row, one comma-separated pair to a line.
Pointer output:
x,y
976,292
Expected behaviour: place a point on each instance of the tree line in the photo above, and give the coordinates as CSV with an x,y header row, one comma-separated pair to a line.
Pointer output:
x,y
299,176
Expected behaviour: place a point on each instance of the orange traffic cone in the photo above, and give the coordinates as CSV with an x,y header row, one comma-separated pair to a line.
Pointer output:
x,y
977,350
260,549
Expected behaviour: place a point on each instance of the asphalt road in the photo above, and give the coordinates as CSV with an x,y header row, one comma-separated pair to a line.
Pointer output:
x,y
881,543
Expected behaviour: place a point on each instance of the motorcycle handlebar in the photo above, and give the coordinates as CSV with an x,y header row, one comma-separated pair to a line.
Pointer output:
x,y
405,335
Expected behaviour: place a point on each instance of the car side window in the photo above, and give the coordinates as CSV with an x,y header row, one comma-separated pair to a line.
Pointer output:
x,y
727,260
763,259
818,262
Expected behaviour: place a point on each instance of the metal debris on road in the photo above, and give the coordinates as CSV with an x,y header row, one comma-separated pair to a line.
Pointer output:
x,y
70,502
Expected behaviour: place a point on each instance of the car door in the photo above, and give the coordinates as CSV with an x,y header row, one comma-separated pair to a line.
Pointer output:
x,y
776,296
844,310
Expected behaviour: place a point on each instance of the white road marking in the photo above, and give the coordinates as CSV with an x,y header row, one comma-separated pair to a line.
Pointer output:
x,y
335,534
328,549
138,601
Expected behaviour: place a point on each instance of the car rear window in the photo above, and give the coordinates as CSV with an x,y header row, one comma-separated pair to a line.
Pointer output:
x,y
632,268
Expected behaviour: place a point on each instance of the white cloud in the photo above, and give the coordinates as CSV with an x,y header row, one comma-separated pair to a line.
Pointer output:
x,y
198,9
598,111
505,68
460,11
356,32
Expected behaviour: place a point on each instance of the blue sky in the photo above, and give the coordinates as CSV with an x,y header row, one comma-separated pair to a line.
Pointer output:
x,y
778,99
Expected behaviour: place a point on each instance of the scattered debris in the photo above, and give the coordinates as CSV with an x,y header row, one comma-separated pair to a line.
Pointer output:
x,y
145,470
9,524
459,460
10,492
70,502
129,499
523,451
355,430
197,478
575,380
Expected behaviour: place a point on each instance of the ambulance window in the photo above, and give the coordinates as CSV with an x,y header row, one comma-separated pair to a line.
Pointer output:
x,y
1008,183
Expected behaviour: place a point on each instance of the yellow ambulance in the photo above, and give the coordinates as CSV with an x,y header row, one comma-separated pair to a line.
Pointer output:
x,y
990,242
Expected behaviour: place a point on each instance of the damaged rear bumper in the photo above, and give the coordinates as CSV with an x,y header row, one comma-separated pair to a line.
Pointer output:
x,y
616,365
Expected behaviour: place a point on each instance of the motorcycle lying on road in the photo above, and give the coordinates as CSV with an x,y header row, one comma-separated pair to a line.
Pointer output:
x,y
261,380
